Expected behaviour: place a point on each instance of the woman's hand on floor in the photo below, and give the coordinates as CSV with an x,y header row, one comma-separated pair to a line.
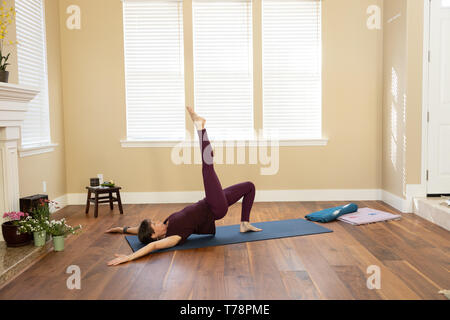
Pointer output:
x,y
115,230
120,258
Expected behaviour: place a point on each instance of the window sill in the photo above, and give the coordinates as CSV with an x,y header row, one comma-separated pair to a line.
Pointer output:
x,y
244,143
32,151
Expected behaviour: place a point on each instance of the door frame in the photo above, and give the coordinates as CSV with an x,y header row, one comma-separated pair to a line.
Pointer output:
x,y
425,93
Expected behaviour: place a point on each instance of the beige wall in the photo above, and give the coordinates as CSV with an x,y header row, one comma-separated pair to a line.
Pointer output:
x,y
87,66
402,103
94,109
415,27
49,167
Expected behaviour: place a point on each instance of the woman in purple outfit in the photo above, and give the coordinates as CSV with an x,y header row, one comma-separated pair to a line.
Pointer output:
x,y
198,218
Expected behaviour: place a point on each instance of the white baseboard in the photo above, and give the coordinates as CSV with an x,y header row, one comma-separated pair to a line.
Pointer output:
x,y
404,205
261,196
395,201
414,191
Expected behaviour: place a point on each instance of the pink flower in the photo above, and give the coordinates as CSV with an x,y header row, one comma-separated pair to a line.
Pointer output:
x,y
14,216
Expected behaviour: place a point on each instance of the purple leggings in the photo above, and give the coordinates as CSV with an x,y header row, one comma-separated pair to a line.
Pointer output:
x,y
219,199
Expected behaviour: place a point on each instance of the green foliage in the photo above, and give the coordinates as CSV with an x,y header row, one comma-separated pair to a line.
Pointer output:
x,y
4,61
31,224
42,210
58,228
39,220
109,184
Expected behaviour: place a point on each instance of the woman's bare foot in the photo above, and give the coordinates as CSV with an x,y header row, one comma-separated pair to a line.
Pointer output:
x,y
199,122
246,227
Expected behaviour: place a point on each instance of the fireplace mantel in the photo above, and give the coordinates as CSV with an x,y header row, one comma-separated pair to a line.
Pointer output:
x,y
14,101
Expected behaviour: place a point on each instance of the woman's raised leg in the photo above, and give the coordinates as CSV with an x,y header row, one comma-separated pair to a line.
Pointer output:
x,y
215,196
218,199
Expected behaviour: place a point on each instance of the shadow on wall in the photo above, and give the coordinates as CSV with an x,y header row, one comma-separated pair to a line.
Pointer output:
x,y
398,138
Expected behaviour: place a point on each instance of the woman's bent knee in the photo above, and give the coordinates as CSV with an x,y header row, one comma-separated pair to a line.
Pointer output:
x,y
250,185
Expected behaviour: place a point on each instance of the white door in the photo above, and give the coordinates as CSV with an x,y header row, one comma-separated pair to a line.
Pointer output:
x,y
439,99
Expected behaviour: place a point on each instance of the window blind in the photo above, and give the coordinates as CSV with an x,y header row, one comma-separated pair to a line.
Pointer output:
x,y
291,31
154,69
223,66
32,70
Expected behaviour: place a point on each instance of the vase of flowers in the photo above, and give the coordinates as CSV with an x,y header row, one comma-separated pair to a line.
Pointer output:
x,y
59,230
35,226
7,16
10,230
39,238
42,212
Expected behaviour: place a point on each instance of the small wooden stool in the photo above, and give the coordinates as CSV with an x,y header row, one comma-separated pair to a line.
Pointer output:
x,y
96,200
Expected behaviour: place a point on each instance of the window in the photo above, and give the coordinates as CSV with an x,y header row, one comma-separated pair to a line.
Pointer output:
x,y
223,62
154,69
32,66
223,66
292,59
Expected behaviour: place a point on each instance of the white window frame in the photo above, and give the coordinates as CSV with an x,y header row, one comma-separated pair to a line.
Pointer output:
x,y
221,26
129,78
48,146
125,143
266,92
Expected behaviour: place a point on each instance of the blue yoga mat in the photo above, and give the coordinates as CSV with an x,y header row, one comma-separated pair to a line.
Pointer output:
x,y
231,234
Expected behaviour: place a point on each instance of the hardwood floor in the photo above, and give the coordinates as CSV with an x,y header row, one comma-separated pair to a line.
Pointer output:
x,y
412,254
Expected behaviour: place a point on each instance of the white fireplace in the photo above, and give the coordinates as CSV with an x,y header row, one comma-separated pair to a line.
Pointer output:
x,y
14,100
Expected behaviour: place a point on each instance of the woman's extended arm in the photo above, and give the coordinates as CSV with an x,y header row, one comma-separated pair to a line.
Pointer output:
x,y
156,245
131,230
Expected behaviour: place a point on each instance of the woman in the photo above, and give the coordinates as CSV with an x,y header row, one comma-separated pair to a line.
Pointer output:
x,y
198,218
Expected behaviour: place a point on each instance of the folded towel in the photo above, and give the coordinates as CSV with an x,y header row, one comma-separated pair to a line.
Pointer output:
x,y
332,214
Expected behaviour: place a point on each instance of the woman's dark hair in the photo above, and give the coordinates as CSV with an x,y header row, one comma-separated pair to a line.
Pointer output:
x,y
145,232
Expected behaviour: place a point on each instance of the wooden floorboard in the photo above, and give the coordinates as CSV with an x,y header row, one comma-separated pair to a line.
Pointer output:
x,y
412,254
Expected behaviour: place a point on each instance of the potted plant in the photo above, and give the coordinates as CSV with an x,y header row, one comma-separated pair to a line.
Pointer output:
x,y
59,230
7,17
42,212
109,184
35,226
10,230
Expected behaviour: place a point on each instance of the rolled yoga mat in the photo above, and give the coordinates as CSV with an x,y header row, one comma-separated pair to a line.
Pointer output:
x,y
231,234
332,214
